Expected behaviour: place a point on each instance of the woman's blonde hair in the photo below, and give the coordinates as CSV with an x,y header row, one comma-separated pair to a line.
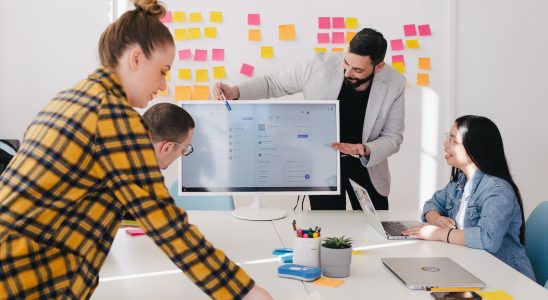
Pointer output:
x,y
140,26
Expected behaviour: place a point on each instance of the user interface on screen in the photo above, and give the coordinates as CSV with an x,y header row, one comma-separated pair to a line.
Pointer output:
x,y
262,146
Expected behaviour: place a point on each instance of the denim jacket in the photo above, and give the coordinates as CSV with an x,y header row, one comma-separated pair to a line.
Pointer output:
x,y
492,220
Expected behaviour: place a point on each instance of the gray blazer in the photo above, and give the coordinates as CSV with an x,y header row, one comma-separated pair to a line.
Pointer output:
x,y
321,78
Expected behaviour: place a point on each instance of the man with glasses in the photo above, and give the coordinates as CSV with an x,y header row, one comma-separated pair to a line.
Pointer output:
x,y
372,109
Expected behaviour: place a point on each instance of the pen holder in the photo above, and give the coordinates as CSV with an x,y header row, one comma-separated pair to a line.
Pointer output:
x,y
306,251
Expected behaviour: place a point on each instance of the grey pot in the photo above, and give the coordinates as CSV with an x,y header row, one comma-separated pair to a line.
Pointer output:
x,y
335,262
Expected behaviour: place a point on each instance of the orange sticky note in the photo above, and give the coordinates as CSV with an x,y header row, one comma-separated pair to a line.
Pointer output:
x,y
412,44
351,22
320,50
399,66
287,32
201,75
163,92
349,36
267,52
185,74
183,93
216,17
200,92
219,72
337,49
210,32
254,35
179,16
194,33
423,79
328,282
195,17
180,34
424,63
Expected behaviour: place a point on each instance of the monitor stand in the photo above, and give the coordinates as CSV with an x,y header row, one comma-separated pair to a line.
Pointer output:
x,y
257,212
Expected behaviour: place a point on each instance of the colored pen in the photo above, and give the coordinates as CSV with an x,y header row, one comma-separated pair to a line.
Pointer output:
x,y
294,225
226,102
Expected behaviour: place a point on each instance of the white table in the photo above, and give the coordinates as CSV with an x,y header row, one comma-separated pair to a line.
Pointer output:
x,y
137,269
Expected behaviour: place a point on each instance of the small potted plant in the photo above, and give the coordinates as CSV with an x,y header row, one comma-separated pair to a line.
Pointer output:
x,y
335,256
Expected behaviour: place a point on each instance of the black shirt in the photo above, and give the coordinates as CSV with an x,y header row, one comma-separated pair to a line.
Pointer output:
x,y
352,107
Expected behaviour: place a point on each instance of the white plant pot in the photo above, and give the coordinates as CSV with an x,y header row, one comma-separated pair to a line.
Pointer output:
x,y
335,262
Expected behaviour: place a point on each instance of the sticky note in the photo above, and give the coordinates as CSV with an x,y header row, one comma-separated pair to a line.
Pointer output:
x,y
219,72
412,44
351,22
180,34
194,33
163,92
349,36
320,50
495,295
338,22
210,32
202,75
267,52
200,92
423,79
396,44
323,38
424,63
185,74
409,30
247,70
424,30
179,16
185,54
324,22
200,55
168,76
218,54
329,282
254,35
167,18
337,49
337,37
135,231
195,17
253,19
286,32
183,93
398,58
398,66
216,17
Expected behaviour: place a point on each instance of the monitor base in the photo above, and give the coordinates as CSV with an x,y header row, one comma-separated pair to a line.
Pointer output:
x,y
257,212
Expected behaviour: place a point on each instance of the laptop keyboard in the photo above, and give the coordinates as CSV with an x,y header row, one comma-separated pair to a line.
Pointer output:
x,y
394,228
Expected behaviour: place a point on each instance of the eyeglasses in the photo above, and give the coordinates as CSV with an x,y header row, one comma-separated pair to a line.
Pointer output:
x,y
450,139
187,150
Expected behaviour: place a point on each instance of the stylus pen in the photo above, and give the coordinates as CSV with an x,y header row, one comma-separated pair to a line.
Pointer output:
x,y
226,102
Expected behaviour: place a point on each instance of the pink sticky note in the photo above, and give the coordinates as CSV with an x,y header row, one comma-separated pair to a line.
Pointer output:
x,y
185,54
323,38
338,22
409,30
324,22
247,70
396,44
200,55
424,30
397,58
218,54
168,18
337,37
135,231
253,19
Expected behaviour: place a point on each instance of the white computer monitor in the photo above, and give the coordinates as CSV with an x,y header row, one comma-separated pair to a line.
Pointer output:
x,y
262,147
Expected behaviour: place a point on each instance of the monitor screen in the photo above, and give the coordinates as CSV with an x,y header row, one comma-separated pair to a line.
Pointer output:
x,y
278,146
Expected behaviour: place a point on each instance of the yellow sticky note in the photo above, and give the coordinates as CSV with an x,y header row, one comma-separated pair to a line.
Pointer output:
x,y
200,92
424,63
320,50
423,79
337,49
201,75
329,282
163,92
351,22
185,74
219,72
254,35
180,34
495,295
210,32
168,76
183,93
349,36
267,52
412,44
179,16
216,17
287,32
195,17
399,66
194,33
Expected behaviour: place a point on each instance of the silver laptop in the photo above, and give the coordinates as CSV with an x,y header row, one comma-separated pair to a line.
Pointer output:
x,y
425,273
391,229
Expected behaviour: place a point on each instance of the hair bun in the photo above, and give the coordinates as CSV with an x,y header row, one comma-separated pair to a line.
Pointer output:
x,y
151,7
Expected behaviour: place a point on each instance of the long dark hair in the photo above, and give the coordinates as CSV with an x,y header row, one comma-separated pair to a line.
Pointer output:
x,y
483,143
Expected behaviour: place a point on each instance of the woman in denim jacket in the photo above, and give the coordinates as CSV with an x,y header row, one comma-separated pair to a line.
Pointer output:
x,y
481,206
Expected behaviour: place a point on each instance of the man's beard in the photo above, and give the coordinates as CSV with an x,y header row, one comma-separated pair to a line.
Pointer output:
x,y
358,82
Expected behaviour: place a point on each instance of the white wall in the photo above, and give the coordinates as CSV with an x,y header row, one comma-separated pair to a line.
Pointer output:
x,y
501,70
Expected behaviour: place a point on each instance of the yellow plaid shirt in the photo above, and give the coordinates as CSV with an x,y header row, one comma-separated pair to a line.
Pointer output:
x,y
86,159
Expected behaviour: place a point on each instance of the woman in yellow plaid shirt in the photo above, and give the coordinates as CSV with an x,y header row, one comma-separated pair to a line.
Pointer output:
x,y
86,159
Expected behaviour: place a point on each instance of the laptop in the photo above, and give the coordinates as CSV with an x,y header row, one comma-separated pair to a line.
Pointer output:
x,y
432,273
391,229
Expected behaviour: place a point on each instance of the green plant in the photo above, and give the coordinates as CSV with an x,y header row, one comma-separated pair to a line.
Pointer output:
x,y
337,242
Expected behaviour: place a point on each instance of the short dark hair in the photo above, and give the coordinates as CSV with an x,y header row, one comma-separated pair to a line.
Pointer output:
x,y
369,42
168,122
